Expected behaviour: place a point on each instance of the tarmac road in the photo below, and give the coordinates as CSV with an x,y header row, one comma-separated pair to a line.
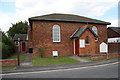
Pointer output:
x,y
96,71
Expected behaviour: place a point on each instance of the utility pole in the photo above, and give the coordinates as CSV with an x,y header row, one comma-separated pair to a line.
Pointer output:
x,y
18,51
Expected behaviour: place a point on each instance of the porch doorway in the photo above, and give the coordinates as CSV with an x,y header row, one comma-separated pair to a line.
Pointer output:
x,y
23,47
76,46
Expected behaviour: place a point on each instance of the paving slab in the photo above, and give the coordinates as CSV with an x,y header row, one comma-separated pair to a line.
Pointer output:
x,y
27,61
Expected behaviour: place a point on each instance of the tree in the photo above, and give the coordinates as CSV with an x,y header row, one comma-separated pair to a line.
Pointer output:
x,y
8,46
18,28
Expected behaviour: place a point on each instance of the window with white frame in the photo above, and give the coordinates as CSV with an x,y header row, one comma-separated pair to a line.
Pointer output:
x,y
16,43
56,33
82,43
94,28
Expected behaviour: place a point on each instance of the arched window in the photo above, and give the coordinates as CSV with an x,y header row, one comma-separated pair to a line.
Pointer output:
x,y
56,33
95,30
87,40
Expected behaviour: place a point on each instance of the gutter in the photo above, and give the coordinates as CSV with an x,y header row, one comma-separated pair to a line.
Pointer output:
x,y
59,20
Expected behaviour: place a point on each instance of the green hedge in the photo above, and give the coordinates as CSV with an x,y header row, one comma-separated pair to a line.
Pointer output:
x,y
5,51
8,46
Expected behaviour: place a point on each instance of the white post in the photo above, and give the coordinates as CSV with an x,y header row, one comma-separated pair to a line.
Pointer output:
x,y
19,44
74,46
107,50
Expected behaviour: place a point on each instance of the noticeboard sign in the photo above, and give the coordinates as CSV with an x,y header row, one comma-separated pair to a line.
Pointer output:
x,y
55,53
103,48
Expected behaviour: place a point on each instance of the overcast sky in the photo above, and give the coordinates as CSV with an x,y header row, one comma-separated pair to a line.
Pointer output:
x,y
12,11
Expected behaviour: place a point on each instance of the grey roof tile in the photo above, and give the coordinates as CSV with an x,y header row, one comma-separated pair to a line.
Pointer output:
x,y
80,31
115,29
68,18
21,36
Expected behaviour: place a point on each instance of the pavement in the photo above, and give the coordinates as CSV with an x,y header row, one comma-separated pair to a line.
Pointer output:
x,y
27,61
26,65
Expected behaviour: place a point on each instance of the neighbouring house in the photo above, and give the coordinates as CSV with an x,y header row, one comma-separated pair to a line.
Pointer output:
x,y
113,39
113,34
66,34
23,41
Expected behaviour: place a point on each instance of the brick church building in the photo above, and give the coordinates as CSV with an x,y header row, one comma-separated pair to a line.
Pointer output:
x,y
66,34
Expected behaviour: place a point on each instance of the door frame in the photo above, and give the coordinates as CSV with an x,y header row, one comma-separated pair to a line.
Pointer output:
x,y
74,46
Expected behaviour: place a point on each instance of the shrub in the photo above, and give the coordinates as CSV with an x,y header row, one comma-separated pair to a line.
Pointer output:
x,y
8,46
5,51
41,51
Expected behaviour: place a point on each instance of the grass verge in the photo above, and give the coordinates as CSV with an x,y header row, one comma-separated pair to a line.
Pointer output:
x,y
53,60
15,56
8,67
105,59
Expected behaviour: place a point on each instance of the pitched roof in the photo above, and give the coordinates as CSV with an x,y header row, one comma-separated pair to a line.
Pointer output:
x,y
80,31
67,18
21,36
115,29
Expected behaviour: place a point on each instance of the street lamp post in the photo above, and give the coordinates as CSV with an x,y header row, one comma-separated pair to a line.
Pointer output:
x,y
18,51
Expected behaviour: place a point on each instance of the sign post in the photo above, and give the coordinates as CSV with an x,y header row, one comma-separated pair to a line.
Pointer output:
x,y
104,48
18,51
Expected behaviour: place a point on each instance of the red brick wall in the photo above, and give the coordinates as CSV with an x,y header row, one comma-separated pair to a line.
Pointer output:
x,y
89,49
9,62
42,36
29,37
103,56
102,35
114,47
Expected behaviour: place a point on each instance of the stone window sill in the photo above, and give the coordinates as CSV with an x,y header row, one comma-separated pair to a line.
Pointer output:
x,y
87,44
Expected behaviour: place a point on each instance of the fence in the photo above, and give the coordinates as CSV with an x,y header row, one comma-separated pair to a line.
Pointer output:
x,y
114,47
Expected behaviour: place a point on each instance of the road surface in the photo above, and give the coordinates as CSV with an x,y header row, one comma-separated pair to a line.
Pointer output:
x,y
97,71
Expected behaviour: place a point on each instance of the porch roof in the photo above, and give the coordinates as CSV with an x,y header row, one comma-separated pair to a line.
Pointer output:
x,y
21,36
80,31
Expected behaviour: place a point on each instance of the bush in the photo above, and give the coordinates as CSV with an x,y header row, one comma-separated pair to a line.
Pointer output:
x,y
41,51
5,51
8,46
11,46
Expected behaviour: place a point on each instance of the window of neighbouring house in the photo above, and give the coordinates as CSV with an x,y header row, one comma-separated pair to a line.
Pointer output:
x,y
94,28
87,40
56,33
16,43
